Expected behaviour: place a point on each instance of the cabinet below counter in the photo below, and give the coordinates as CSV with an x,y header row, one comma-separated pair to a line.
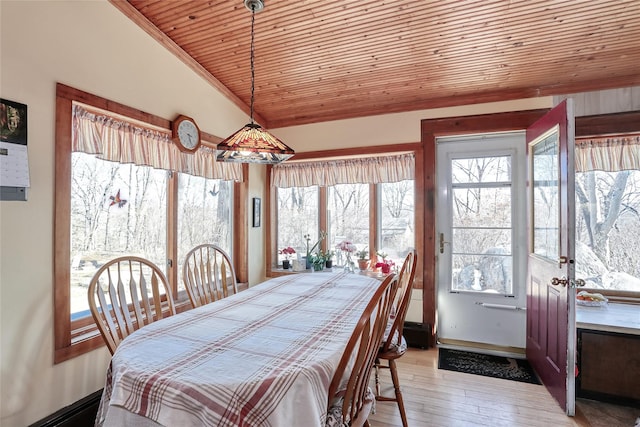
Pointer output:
x,y
609,353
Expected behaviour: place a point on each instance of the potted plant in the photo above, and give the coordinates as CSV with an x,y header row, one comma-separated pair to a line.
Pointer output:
x,y
385,266
317,261
328,258
287,252
309,256
363,259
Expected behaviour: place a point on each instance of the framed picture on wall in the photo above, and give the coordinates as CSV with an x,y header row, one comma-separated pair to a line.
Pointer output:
x,y
13,122
256,211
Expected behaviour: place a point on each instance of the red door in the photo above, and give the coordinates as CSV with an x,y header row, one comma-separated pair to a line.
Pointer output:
x,y
550,274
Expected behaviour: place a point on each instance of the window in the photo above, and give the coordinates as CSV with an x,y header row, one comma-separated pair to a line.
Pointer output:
x,y
608,229
348,217
110,202
608,212
346,198
481,231
204,215
298,210
116,209
397,215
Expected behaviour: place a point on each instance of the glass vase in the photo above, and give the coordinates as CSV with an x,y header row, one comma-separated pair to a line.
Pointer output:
x,y
349,266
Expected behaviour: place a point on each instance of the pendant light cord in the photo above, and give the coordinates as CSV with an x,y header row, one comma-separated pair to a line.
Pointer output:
x,y
253,18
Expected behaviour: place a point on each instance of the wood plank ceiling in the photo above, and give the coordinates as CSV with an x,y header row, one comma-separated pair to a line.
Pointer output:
x,y
334,59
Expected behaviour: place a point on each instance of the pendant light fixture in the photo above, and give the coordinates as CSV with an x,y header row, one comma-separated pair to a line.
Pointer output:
x,y
253,144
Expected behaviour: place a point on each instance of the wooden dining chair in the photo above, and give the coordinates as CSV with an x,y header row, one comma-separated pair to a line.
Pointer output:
x,y
208,274
350,404
394,344
126,294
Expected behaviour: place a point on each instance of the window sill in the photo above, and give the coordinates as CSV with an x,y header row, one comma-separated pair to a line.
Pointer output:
x,y
85,336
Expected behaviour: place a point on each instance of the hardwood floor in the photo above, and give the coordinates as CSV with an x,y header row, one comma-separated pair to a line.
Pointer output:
x,y
436,397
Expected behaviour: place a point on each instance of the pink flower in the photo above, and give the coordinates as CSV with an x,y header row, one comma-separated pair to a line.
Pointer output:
x,y
346,246
287,251
385,266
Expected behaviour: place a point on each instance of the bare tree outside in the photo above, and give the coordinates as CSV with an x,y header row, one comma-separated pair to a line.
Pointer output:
x,y
608,229
348,207
397,219
116,209
204,214
297,216
481,242
348,214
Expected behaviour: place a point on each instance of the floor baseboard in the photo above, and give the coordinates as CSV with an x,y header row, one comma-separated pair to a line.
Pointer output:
x,y
494,350
79,414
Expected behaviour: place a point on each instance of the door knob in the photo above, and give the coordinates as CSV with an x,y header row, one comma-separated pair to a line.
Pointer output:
x,y
442,242
555,281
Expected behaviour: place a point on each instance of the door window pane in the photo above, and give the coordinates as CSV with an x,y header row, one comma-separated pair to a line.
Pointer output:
x,y
482,206
546,208
481,232
477,240
489,272
116,209
481,170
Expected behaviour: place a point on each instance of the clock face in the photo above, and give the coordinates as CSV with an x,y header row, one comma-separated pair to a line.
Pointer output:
x,y
188,134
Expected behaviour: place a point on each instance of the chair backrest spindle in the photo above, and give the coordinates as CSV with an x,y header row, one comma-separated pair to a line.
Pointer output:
x,y
208,274
402,300
119,297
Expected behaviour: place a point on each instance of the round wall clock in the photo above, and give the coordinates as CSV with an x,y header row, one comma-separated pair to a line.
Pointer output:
x,y
186,133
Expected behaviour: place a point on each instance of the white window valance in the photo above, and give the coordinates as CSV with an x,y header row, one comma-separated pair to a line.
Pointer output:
x,y
116,139
365,170
609,154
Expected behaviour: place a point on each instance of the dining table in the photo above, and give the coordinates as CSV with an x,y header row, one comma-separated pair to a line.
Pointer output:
x,y
262,357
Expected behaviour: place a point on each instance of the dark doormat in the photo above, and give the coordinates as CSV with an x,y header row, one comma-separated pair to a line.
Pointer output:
x,y
487,365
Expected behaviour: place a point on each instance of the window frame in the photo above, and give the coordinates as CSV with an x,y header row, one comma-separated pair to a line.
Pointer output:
x,y
75,337
374,202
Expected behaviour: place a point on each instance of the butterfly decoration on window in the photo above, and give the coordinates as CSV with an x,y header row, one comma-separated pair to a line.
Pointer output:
x,y
116,200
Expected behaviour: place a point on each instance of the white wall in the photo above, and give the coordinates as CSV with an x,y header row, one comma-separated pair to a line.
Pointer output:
x,y
257,251
91,46
390,128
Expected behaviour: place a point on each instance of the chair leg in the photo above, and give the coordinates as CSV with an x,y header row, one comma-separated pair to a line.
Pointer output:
x,y
396,386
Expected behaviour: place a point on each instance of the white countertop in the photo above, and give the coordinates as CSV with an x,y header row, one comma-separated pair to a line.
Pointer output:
x,y
621,318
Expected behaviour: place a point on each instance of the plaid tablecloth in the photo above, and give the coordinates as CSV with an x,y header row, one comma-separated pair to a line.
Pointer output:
x,y
263,357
